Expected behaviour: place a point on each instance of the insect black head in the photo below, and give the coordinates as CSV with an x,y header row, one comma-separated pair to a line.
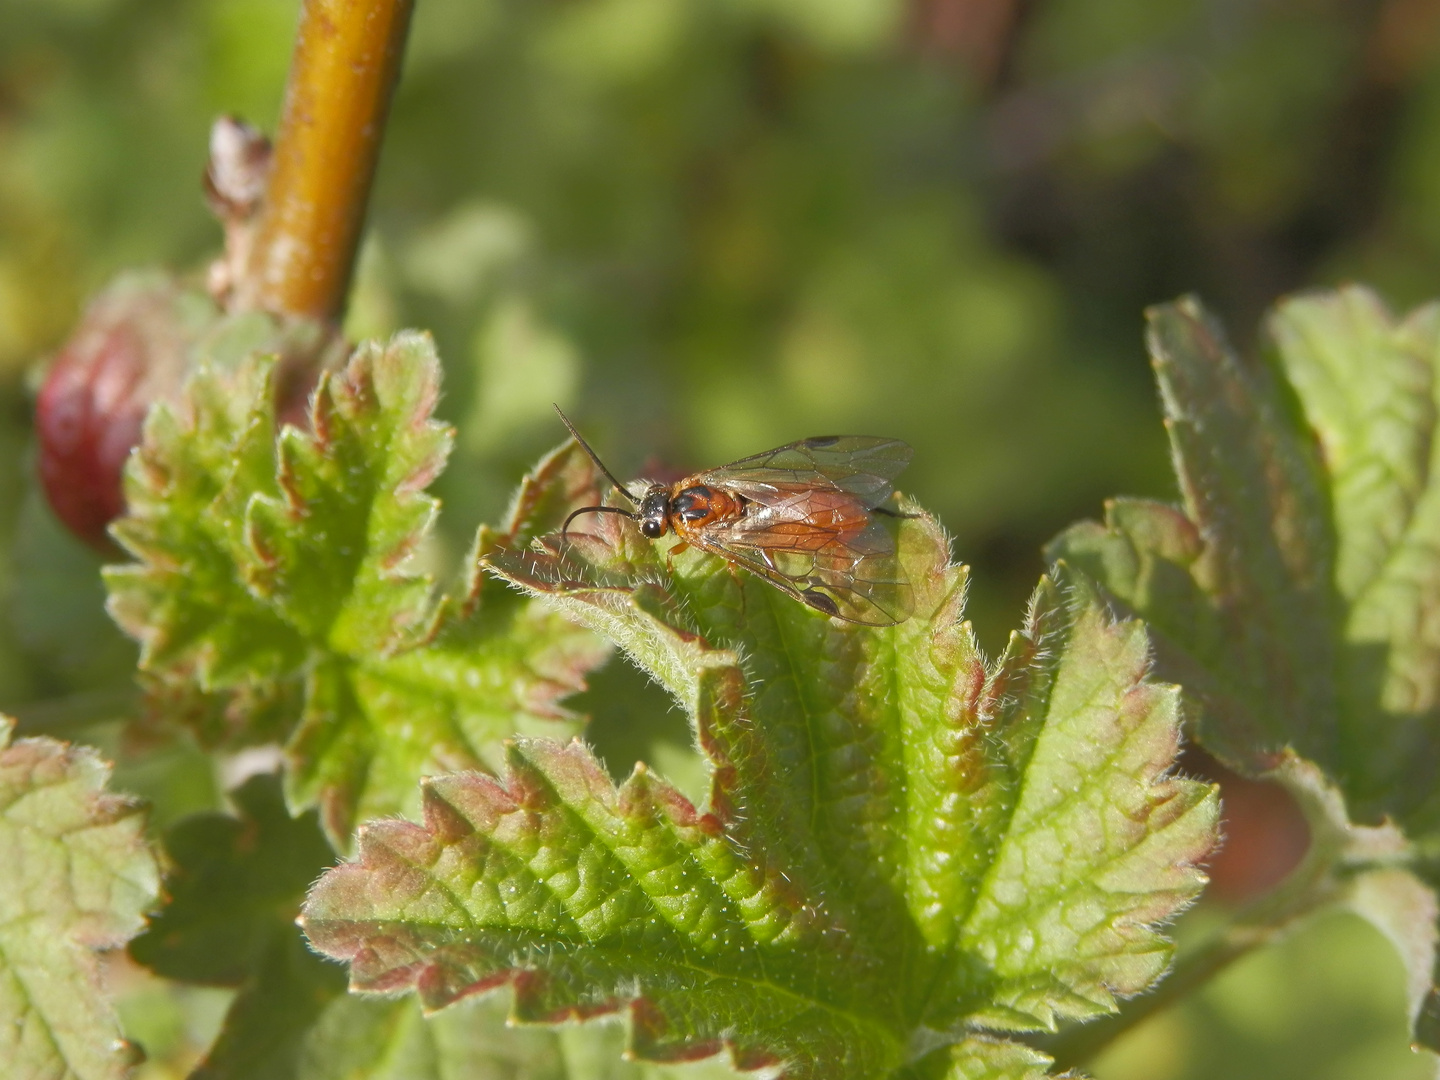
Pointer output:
x,y
654,514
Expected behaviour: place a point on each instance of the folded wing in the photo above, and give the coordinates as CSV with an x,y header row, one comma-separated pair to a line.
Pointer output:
x,y
821,545
864,465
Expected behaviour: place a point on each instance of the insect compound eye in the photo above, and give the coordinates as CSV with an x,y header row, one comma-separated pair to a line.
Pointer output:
x,y
653,529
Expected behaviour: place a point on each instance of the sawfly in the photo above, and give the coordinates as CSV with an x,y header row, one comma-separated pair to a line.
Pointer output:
x,y
804,517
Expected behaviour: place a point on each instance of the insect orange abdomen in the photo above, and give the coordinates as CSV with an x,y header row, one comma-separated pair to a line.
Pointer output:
x,y
820,518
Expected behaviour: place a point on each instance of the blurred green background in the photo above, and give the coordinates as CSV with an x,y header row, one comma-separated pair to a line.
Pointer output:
x,y
708,227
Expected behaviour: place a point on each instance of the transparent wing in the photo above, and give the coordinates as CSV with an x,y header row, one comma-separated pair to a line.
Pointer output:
x,y
863,465
823,548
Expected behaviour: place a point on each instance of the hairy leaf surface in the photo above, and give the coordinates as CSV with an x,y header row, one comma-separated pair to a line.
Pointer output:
x,y
278,569
78,877
902,843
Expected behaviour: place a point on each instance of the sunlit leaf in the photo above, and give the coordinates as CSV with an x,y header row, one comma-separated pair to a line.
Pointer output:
x,y
1294,592
901,843
78,878
278,572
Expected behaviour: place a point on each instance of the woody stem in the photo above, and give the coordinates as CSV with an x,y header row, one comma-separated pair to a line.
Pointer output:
x,y
342,74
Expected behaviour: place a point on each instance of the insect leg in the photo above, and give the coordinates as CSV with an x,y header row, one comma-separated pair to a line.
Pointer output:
x,y
678,549
892,513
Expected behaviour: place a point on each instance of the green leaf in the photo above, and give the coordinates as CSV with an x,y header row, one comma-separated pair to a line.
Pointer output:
x,y
1375,882
276,593
367,1038
1293,592
270,1019
901,844
1253,533
185,601
1289,593
233,880
78,878
1405,911
234,891
986,1059
364,1037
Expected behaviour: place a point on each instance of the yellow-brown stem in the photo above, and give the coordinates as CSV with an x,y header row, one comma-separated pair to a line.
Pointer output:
x,y
346,62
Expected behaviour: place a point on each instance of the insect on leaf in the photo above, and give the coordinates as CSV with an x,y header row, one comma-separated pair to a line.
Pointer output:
x,y
801,517
902,844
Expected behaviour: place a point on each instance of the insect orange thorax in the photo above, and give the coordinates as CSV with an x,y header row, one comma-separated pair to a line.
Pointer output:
x,y
682,507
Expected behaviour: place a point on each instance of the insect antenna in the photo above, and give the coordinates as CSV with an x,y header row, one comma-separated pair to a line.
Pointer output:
x,y
565,529
598,464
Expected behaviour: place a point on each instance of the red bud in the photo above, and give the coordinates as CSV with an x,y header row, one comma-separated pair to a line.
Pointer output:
x,y
134,346
130,348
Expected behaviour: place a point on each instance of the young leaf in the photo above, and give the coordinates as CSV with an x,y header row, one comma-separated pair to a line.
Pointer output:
x,y
279,569
78,878
1293,592
901,844
990,1059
